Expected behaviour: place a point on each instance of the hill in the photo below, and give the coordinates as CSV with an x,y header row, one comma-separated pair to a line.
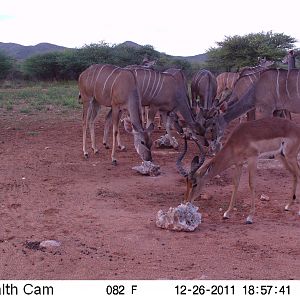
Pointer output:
x,y
18,51
199,58
21,52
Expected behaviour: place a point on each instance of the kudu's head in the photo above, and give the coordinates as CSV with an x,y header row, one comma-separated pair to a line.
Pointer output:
x,y
214,132
142,140
194,182
263,62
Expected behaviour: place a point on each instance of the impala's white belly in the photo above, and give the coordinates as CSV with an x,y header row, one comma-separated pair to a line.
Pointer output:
x,y
268,146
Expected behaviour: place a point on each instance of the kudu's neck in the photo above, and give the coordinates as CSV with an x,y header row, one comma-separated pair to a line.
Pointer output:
x,y
134,109
246,103
291,63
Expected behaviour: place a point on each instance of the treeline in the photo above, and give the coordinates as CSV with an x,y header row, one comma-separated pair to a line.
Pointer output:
x,y
230,55
67,65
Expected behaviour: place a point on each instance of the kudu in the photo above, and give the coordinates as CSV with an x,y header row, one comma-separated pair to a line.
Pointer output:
x,y
162,92
247,77
290,60
276,89
246,143
113,87
225,83
204,86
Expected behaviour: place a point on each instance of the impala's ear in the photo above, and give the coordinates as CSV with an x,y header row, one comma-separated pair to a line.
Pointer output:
x,y
128,125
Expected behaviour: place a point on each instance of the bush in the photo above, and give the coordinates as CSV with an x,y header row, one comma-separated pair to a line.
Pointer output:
x,y
6,65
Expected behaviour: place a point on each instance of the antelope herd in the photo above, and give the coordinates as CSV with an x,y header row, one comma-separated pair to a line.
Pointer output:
x,y
264,90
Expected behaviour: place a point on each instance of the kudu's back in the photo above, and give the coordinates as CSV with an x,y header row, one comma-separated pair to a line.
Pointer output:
x,y
278,89
107,84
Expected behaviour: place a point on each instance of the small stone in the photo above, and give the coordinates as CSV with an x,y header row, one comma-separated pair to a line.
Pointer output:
x,y
148,168
205,197
50,244
264,197
166,142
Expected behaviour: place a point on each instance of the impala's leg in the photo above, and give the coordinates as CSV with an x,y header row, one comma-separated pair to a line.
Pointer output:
x,y
107,125
252,163
236,182
85,119
94,110
293,167
115,121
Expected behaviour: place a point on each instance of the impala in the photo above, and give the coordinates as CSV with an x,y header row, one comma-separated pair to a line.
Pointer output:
x,y
246,143
113,87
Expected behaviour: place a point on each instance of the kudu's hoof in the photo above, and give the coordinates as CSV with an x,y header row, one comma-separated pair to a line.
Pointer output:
x,y
122,148
85,155
106,146
114,162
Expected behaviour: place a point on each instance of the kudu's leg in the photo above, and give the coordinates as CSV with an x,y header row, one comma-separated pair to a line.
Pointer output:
x,y
107,126
94,110
85,119
236,182
160,121
151,115
120,146
169,122
252,163
115,121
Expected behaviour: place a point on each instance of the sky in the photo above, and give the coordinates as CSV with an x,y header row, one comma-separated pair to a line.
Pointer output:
x,y
177,27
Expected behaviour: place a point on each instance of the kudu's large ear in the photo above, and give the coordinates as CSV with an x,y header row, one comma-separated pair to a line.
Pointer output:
x,y
150,128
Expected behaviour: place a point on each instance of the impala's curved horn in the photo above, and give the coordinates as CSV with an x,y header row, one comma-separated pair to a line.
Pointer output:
x,y
182,171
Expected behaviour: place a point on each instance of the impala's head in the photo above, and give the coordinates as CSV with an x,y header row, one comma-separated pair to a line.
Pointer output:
x,y
142,140
194,182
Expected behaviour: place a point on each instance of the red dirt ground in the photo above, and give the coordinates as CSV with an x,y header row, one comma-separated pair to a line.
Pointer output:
x,y
104,215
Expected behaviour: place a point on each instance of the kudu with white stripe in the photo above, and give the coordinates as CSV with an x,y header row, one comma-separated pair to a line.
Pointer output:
x,y
290,60
246,143
204,87
162,92
247,78
276,89
225,83
113,87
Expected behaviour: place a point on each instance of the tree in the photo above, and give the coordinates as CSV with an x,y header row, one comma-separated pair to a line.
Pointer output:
x,y
6,65
240,51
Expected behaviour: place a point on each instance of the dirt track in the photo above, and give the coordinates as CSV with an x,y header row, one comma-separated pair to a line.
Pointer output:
x,y
104,216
